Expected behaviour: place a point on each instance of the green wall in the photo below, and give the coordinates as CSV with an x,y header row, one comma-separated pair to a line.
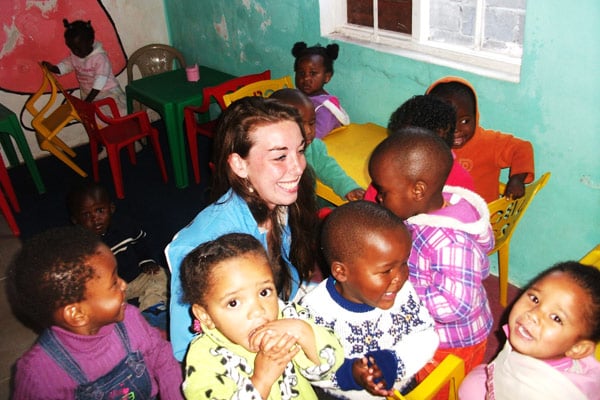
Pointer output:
x,y
555,106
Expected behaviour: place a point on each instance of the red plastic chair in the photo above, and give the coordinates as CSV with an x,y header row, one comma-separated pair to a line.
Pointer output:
x,y
118,133
194,128
8,190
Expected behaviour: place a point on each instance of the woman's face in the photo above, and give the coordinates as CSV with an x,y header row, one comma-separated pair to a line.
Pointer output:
x,y
275,162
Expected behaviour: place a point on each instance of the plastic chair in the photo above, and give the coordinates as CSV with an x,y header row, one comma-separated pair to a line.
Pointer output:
x,y
263,88
118,133
194,128
505,216
7,190
10,127
592,258
450,371
153,59
51,118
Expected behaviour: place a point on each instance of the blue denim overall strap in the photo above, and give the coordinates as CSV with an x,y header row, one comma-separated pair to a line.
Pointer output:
x,y
129,379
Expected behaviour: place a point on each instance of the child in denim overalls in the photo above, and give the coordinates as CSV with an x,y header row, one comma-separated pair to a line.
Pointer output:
x,y
93,344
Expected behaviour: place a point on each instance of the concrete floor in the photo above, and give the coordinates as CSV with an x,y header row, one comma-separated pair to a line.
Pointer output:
x,y
15,338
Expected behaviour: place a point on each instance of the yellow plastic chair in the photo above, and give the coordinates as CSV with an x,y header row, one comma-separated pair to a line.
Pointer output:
x,y
450,371
49,119
505,215
261,88
593,259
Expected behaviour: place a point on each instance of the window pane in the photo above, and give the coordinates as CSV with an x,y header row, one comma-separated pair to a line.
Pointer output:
x,y
360,12
395,15
453,21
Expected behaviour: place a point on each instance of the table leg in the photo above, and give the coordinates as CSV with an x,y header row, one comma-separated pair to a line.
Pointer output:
x,y
173,119
23,146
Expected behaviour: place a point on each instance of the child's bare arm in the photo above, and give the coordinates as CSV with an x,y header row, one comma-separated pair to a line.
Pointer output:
x,y
51,67
515,188
356,194
93,93
276,351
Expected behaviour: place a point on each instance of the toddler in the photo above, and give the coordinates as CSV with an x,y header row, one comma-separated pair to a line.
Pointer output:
x,y
425,111
451,235
484,152
552,331
93,343
314,68
326,167
387,333
91,65
250,344
90,206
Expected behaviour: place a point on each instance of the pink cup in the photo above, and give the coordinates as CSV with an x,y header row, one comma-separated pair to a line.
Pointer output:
x,y
193,73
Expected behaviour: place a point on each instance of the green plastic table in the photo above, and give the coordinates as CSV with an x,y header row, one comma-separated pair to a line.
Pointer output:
x,y
9,124
168,93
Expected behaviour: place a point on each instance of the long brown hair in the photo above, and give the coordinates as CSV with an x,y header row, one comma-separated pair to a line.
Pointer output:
x,y
233,136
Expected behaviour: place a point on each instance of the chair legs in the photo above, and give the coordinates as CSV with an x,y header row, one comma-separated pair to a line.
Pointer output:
x,y
6,187
56,148
503,254
193,146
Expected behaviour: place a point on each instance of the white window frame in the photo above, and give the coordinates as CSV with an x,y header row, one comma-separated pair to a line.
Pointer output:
x,y
334,26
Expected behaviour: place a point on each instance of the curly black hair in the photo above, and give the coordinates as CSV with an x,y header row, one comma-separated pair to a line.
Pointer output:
x,y
79,29
196,272
51,271
425,111
329,54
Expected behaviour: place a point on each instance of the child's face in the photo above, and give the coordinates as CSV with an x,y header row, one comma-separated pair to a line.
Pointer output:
x,y
311,75
241,299
548,319
94,214
104,301
309,120
465,119
275,162
394,191
80,47
378,274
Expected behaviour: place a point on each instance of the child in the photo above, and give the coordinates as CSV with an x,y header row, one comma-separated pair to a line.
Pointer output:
x,y
484,152
326,167
89,205
451,238
314,68
251,345
439,117
387,333
552,332
91,65
92,342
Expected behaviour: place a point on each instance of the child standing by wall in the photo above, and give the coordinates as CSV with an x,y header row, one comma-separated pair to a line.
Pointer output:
x,y
483,152
451,238
326,167
91,65
552,333
92,342
387,333
90,206
250,344
314,68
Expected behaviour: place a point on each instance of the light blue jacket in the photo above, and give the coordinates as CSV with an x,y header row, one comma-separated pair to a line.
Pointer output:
x,y
227,215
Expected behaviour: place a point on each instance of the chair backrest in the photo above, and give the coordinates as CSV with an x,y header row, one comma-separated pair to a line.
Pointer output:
x,y
451,371
592,258
505,214
218,92
87,114
264,88
153,59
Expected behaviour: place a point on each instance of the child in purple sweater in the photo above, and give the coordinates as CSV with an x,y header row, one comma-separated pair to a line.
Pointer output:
x,y
451,237
93,343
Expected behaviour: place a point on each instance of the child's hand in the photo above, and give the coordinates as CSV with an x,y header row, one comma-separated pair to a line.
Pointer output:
x,y
356,194
279,328
50,67
150,268
275,353
515,188
366,372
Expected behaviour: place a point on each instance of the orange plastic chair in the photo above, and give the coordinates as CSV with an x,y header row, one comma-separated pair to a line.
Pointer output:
x,y
7,190
505,215
592,258
261,88
49,119
450,371
193,127
118,133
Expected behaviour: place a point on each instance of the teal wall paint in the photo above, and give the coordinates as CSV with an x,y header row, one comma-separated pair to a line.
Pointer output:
x,y
555,105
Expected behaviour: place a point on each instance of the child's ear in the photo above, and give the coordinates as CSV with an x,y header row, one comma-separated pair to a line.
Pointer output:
x,y
328,76
72,315
419,190
339,271
202,315
112,208
581,349
238,165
